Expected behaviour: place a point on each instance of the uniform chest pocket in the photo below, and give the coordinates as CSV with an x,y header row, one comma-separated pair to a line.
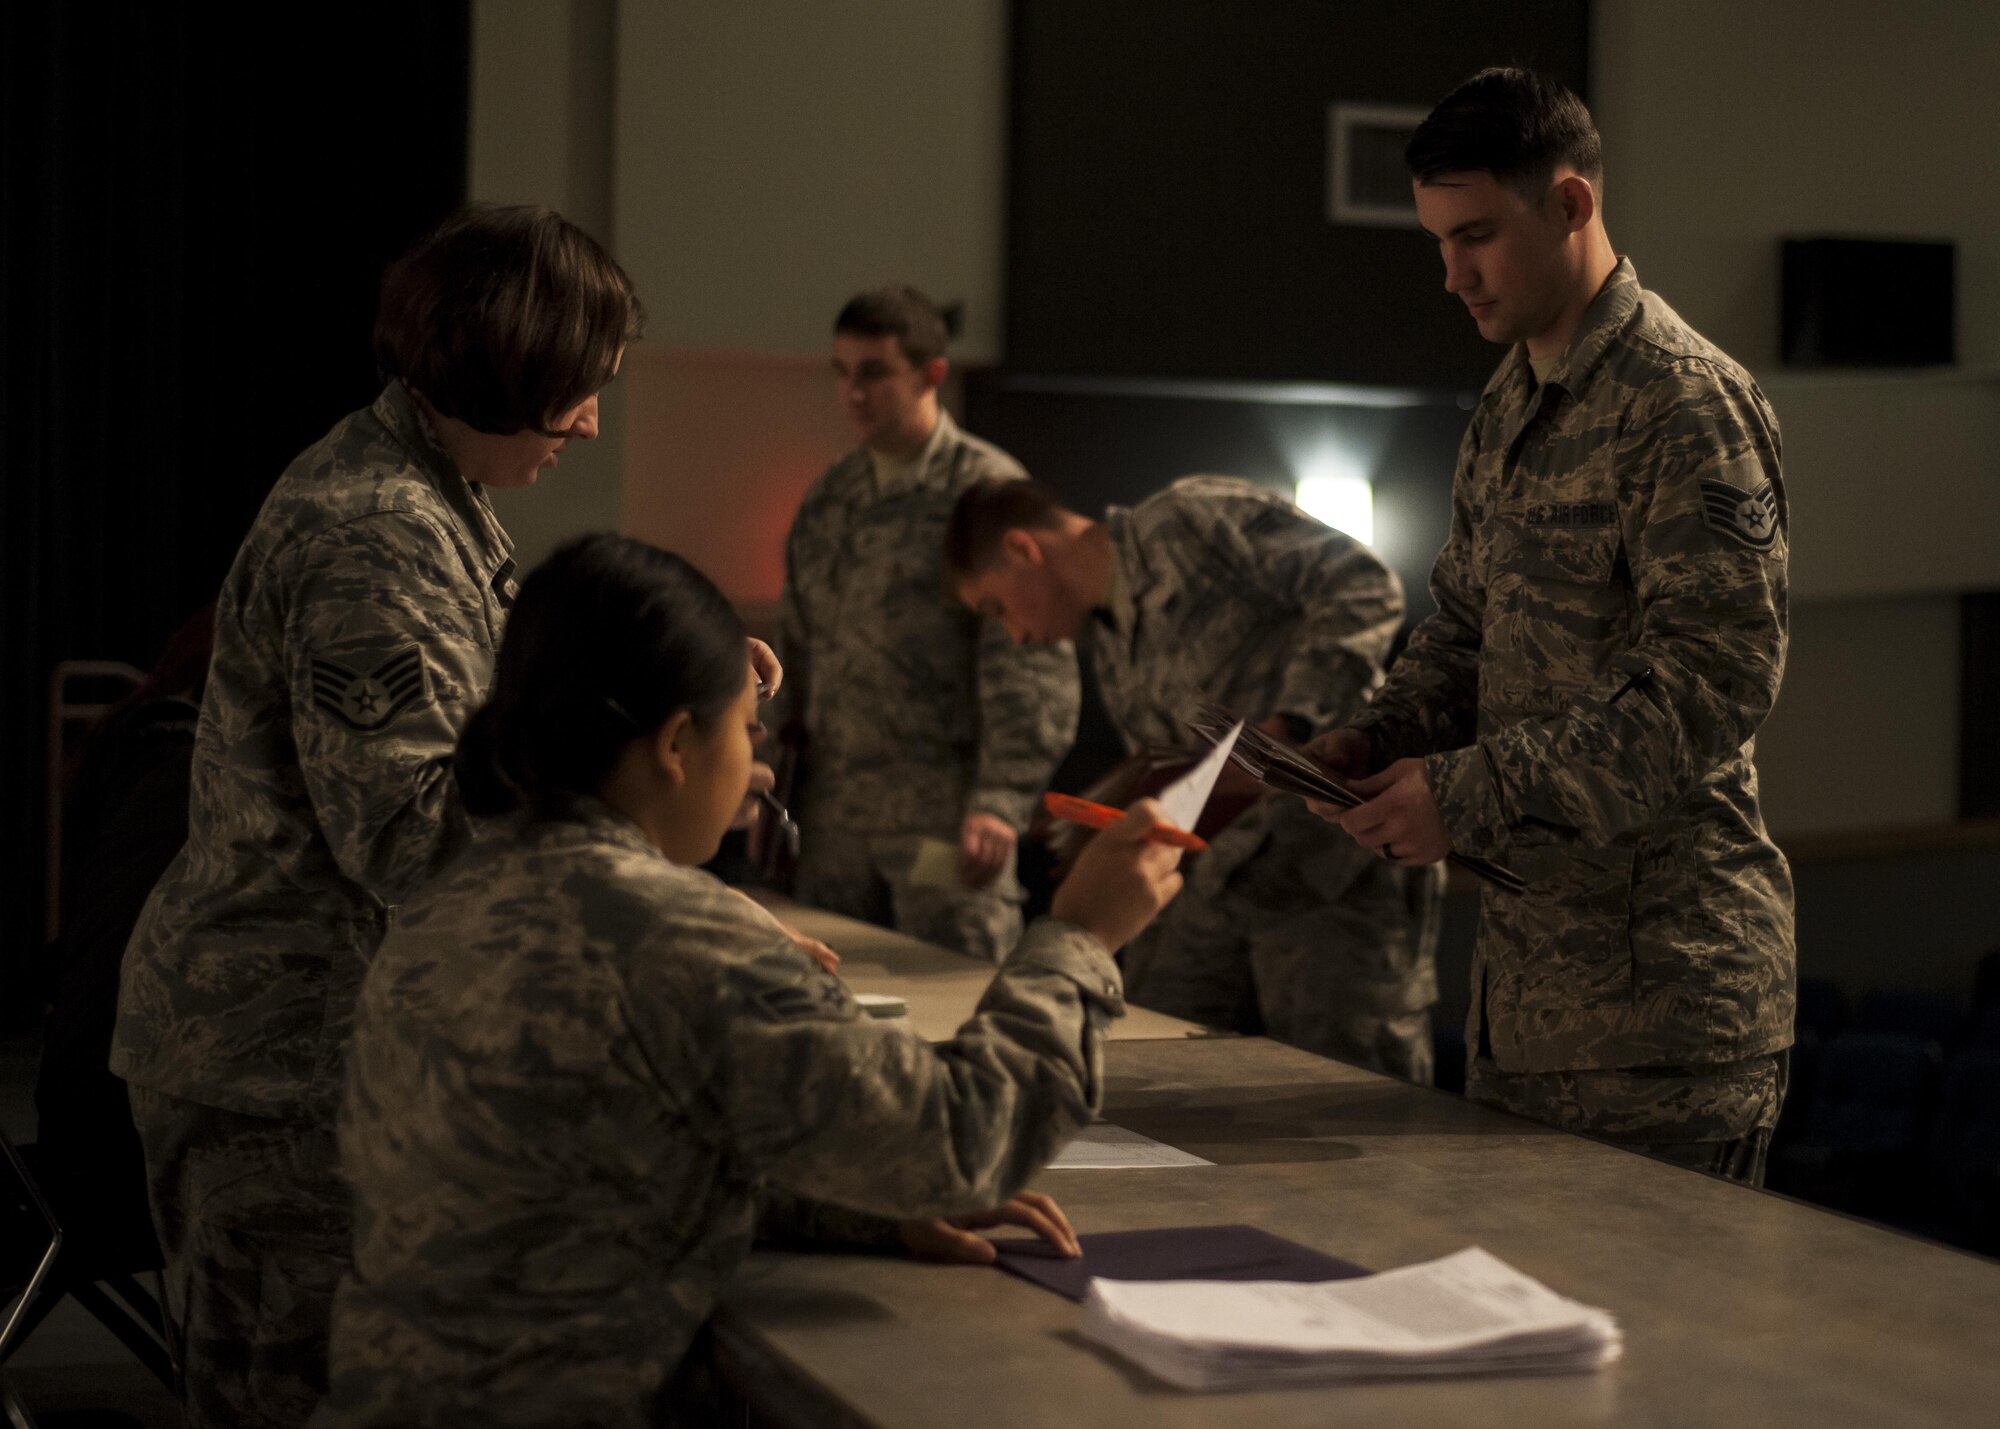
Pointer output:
x,y
1559,607
1588,557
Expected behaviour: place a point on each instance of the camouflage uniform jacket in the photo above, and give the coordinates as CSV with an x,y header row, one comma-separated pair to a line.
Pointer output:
x,y
579,1070
354,635
916,711
1226,591
1610,632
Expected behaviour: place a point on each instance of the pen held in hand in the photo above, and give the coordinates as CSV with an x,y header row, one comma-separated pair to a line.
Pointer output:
x,y
1073,810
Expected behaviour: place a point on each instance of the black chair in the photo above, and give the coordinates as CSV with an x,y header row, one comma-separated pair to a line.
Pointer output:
x,y
1964,1157
30,1244
108,1247
1822,1008
1932,1016
1983,1030
1865,1128
125,818
1986,981
1448,1059
1801,1085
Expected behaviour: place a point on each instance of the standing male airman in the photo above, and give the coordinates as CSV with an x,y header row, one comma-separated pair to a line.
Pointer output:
x,y
1610,633
926,735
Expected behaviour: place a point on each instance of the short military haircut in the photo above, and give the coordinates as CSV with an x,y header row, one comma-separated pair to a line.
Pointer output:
x,y
1511,123
918,324
986,511
505,317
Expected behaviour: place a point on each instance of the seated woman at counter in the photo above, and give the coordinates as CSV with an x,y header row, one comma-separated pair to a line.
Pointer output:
x,y
585,1073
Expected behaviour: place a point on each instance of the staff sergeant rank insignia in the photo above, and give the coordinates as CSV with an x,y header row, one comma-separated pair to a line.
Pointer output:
x,y
367,700
1751,518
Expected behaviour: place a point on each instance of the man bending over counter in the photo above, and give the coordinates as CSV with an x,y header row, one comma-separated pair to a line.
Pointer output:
x,y
1218,589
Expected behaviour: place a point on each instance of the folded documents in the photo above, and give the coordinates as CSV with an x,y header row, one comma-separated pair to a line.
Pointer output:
x,y
1177,1253
1469,1313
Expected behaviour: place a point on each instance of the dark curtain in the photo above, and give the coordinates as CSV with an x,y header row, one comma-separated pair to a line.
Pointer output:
x,y
196,202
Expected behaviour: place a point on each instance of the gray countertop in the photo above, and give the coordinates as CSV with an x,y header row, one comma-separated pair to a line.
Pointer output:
x,y
942,988
1739,1307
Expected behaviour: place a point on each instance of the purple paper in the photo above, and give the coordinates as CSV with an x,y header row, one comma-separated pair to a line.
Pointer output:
x,y
1183,1253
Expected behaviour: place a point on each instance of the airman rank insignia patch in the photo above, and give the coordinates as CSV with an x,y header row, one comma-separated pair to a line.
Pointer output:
x,y
814,997
1750,517
366,700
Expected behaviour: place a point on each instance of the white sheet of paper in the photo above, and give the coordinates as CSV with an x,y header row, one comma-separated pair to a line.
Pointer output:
x,y
1185,798
1468,1313
936,864
1104,1147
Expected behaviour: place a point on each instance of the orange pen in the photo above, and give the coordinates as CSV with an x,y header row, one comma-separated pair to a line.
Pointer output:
x,y
1071,809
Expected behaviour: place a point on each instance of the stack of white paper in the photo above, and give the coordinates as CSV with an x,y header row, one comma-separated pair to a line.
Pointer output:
x,y
1469,1313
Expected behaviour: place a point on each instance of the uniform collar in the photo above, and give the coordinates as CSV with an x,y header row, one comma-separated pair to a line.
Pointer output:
x,y
398,412
916,471
1603,322
1118,610
602,822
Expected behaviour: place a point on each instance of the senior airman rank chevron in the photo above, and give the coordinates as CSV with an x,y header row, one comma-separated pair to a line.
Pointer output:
x,y
366,700
814,997
1751,517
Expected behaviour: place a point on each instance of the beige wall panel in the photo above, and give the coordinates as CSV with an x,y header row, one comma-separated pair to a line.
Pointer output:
x,y
1727,124
1865,733
1894,484
541,133
719,449
775,156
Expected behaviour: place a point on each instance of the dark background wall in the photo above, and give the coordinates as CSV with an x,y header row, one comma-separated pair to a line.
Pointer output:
x,y
195,206
1167,184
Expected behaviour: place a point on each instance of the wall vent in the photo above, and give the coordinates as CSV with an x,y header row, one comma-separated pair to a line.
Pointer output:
x,y
1366,180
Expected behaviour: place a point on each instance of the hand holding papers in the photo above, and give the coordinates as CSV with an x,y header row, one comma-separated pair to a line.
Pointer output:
x,y
1183,800
1469,1313
1279,764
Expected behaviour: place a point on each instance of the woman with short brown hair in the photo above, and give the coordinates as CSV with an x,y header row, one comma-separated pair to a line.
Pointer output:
x,y
354,635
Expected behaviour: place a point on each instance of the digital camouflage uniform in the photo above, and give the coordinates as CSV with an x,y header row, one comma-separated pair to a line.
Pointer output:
x,y
916,712
577,1072
354,635
1610,632
1225,591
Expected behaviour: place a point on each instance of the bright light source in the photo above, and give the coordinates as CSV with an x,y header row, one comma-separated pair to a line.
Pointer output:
x,y
1342,499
